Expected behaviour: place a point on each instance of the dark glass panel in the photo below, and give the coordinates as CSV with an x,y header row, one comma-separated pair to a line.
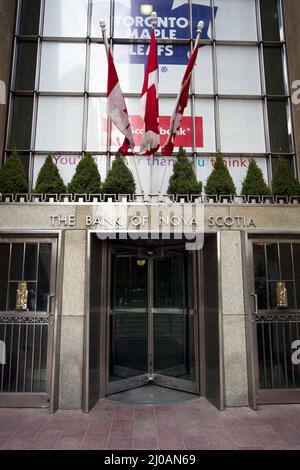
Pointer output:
x,y
296,255
261,291
30,262
44,276
129,319
290,294
4,262
259,260
272,260
286,261
169,282
269,20
288,159
272,295
274,71
21,122
16,261
24,159
131,286
29,17
298,293
278,126
26,66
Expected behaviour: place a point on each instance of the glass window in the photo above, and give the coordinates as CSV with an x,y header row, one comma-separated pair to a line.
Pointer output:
x,y
62,67
59,124
296,256
97,125
16,266
238,70
288,159
100,11
133,19
4,263
130,60
278,127
66,165
205,125
201,10
286,261
237,166
44,275
67,18
26,65
236,20
273,60
98,69
21,122
259,260
240,121
270,20
30,264
273,261
24,158
203,71
29,17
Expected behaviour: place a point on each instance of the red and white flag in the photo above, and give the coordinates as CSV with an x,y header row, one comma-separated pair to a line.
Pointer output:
x,y
116,107
182,99
149,103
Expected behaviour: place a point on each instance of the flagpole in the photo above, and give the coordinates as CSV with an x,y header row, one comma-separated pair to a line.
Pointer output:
x,y
154,23
200,27
102,25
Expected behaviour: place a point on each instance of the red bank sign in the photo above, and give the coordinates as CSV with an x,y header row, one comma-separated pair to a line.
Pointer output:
x,y
184,138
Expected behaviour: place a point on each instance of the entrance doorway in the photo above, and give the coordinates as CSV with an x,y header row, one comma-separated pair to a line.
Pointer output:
x,y
27,304
275,319
152,318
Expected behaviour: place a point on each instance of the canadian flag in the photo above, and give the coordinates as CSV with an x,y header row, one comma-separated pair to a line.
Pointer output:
x,y
149,103
116,107
182,98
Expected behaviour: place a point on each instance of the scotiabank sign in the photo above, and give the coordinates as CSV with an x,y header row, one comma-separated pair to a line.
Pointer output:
x,y
184,138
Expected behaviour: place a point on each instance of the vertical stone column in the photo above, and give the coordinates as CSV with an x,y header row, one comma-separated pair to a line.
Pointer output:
x,y
233,316
72,320
7,22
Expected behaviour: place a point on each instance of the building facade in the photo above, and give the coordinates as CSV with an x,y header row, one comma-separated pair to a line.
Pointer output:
x,y
99,294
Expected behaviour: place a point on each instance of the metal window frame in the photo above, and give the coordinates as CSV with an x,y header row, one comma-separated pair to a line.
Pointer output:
x,y
216,97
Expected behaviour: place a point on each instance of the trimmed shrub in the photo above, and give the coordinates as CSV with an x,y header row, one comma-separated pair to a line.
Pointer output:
x,y
49,180
220,182
119,179
183,179
254,183
13,178
284,182
87,179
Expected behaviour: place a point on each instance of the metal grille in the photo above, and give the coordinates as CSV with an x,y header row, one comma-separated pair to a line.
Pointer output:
x,y
276,334
26,341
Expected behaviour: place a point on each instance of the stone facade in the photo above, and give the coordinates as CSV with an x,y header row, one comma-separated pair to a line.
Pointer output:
x,y
230,221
